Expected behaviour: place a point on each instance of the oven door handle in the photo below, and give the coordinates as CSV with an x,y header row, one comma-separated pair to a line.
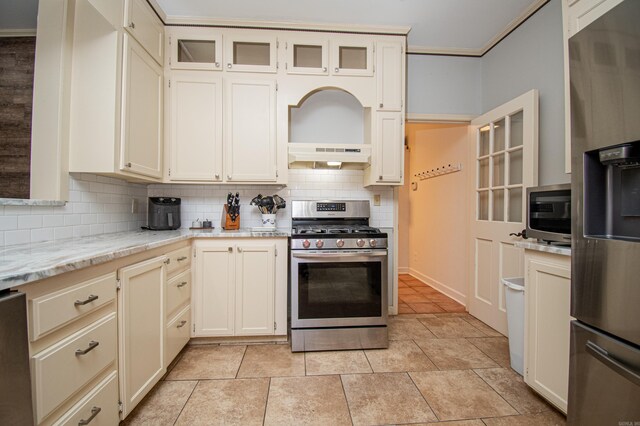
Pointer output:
x,y
325,255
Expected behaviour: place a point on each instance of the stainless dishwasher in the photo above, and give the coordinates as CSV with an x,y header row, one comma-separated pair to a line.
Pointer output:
x,y
15,378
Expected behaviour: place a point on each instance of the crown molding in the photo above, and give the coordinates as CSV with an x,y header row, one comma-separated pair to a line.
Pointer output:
x,y
18,32
444,51
439,118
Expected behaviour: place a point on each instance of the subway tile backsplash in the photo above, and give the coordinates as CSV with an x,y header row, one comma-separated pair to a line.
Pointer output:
x,y
100,205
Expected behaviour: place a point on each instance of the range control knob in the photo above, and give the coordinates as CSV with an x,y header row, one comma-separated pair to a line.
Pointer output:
x,y
306,244
319,243
372,242
340,243
360,242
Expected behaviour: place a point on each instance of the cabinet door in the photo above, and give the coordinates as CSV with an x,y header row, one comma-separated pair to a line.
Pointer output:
x,y
213,295
141,322
255,283
144,25
389,159
250,52
250,130
548,295
141,138
389,60
196,126
195,49
307,56
351,57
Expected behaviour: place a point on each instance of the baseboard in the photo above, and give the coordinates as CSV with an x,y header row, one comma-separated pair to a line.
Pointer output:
x,y
403,269
442,288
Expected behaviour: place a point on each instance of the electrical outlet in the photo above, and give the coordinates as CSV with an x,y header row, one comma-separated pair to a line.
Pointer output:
x,y
376,199
134,205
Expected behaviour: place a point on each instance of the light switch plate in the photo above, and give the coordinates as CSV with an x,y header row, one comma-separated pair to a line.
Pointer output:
x,y
376,199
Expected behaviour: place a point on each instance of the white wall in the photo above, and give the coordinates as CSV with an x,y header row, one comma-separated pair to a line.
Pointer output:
x,y
443,85
531,58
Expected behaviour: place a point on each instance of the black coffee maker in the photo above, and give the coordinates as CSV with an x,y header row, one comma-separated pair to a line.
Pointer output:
x,y
164,213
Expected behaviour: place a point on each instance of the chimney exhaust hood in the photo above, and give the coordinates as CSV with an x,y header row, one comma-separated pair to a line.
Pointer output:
x,y
354,155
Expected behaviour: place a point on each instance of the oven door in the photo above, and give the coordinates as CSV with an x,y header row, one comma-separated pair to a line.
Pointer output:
x,y
338,288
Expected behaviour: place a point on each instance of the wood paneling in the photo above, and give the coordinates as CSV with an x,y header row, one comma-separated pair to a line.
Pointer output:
x,y
17,58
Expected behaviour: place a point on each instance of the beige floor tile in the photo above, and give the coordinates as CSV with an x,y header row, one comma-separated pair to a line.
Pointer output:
x,y
271,361
336,362
408,329
413,298
415,316
402,355
460,394
513,389
162,405
455,354
229,402
497,348
481,326
389,398
404,309
475,422
452,306
403,291
451,327
316,400
549,418
425,308
208,362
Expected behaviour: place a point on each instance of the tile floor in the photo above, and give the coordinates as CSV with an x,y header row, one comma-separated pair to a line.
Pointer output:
x,y
441,366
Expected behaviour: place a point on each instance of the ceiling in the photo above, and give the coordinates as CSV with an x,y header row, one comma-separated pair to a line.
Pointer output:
x,y
468,27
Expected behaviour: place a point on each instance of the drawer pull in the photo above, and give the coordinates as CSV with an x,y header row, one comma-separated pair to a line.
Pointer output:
x,y
180,259
168,261
92,345
89,299
182,284
182,323
94,412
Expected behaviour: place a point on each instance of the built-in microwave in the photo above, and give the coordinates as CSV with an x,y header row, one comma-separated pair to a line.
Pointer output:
x,y
549,213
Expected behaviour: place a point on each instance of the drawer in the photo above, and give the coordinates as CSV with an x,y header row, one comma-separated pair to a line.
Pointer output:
x,y
178,332
178,291
144,26
65,367
54,310
99,407
178,259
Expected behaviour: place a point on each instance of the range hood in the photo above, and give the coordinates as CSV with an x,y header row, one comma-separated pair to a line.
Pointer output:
x,y
352,155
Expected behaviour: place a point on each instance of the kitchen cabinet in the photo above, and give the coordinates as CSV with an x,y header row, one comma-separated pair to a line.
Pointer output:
x,y
195,49
307,55
547,318
352,57
387,163
240,287
195,126
116,98
251,51
141,22
177,306
390,72
141,324
250,130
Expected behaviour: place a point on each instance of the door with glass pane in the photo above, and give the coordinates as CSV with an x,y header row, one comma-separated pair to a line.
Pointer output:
x,y
195,49
504,156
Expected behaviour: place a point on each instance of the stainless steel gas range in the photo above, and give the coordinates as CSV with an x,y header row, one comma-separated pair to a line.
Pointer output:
x,y
338,277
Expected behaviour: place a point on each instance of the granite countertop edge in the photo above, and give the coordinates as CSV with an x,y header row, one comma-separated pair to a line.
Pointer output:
x,y
26,263
543,247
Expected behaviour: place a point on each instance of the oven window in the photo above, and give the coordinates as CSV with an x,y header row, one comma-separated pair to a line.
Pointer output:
x,y
339,290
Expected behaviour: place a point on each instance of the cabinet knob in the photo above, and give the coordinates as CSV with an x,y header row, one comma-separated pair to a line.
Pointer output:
x,y
128,165
230,249
228,177
228,65
336,69
380,177
381,105
217,176
324,69
217,64
239,249
132,25
168,261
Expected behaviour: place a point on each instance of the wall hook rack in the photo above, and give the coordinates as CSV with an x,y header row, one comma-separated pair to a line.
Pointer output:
x,y
439,171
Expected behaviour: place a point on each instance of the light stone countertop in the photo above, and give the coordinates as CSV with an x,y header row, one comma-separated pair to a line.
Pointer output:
x,y
24,263
548,248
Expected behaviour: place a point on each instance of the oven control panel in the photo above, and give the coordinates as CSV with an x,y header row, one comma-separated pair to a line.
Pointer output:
x,y
331,243
331,207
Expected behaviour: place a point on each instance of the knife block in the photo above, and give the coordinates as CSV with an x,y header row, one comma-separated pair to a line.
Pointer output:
x,y
227,223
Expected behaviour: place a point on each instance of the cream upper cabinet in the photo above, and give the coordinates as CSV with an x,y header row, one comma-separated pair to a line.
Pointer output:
x,y
144,26
142,118
581,13
352,56
390,73
141,324
195,49
250,130
387,161
307,55
548,297
195,126
250,51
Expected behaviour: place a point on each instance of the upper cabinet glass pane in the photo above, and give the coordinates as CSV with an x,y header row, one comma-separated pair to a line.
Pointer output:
x,y
516,133
198,51
307,56
354,58
484,141
251,53
498,136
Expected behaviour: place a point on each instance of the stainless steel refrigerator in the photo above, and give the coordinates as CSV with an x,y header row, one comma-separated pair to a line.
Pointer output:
x,y
604,377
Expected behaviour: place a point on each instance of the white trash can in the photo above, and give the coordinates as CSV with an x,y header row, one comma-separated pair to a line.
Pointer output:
x,y
514,289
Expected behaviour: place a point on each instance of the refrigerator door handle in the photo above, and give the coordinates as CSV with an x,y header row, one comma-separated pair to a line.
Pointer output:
x,y
603,356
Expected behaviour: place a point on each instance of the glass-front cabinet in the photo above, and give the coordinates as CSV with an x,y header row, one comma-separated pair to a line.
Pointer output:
x,y
352,57
307,56
251,52
195,49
